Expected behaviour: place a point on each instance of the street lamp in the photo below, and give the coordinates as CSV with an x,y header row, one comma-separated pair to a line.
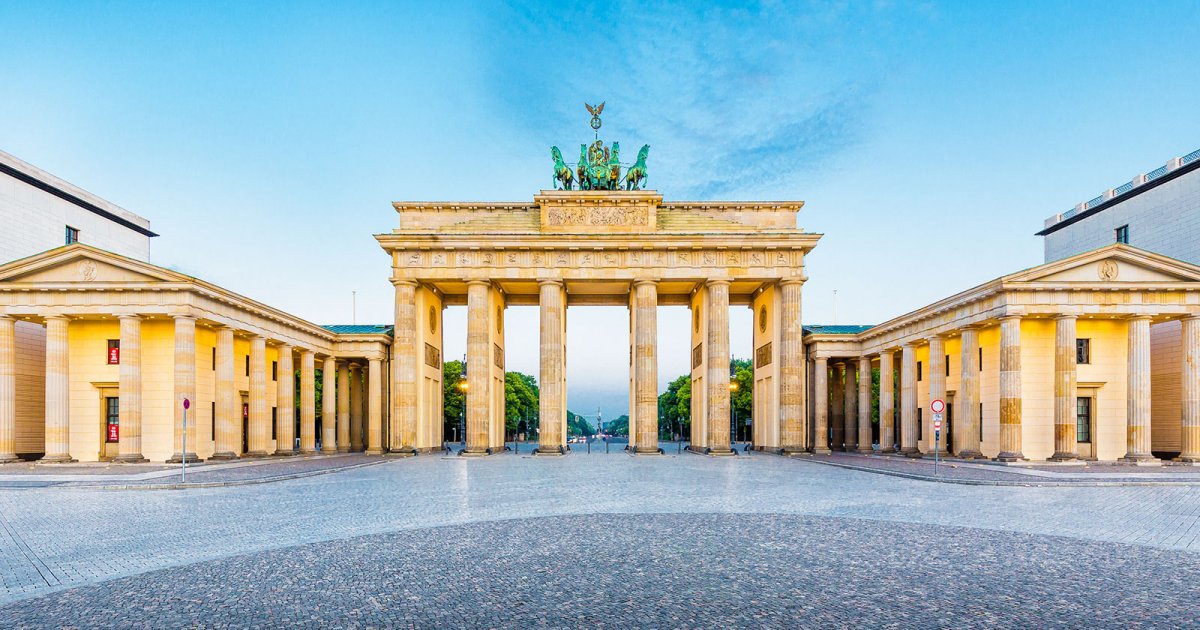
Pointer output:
x,y
462,418
733,387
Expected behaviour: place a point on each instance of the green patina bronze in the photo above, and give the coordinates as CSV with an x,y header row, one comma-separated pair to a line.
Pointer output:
x,y
599,167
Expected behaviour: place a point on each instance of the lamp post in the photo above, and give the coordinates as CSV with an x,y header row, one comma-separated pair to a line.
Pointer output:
x,y
733,387
462,418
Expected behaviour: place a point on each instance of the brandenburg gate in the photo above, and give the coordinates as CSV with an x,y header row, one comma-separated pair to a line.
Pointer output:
x,y
596,242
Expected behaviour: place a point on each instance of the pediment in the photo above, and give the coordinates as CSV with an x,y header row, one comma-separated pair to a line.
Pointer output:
x,y
1113,264
83,264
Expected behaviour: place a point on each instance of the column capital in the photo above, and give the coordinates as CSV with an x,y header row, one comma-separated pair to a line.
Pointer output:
x,y
1188,317
649,281
1011,317
1141,318
471,282
716,282
1065,316
793,280
908,344
183,317
557,282
406,282
129,316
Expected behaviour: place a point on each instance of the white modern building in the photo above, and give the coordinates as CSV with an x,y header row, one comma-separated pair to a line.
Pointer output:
x,y
40,211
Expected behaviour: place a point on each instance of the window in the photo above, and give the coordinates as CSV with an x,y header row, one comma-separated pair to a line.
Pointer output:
x,y
919,432
114,352
981,423
72,235
918,371
214,358
1123,234
1083,351
274,423
981,359
947,365
112,418
1083,419
247,365
274,370
214,421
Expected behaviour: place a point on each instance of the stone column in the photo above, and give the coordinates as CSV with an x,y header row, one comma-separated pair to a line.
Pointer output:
x,y
1010,389
887,403
837,407
908,400
1064,388
937,391
864,405
966,412
329,395
820,406
645,296
718,367
308,402
8,389
1137,443
130,390
228,419
285,417
185,388
259,426
343,408
405,369
479,357
356,410
850,430
550,412
58,401
1189,437
793,433
374,407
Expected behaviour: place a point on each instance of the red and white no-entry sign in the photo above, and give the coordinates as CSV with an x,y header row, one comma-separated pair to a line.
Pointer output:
x,y
937,406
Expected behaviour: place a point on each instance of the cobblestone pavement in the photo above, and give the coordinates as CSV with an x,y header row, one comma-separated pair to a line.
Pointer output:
x,y
58,538
968,471
693,570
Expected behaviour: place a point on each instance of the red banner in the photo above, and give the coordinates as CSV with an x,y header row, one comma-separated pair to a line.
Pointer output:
x,y
114,356
114,434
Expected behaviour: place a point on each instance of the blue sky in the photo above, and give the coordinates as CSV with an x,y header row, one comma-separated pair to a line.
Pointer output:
x,y
929,139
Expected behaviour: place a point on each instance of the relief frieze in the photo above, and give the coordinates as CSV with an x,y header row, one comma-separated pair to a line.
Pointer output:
x,y
598,258
597,216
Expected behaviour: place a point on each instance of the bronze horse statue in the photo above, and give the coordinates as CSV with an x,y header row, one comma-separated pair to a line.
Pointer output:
x,y
562,172
635,176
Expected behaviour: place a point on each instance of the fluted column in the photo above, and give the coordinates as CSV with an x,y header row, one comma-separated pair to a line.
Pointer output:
x,y
820,442
356,410
405,369
718,366
308,402
937,391
850,431
329,395
645,298
259,425
864,405
58,405
1189,437
550,412
887,402
285,405
837,407
966,405
228,419
908,400
8,389
343,408
185,388
130,390
1138,430
374,407
479,355
1065,444
793,433
1010,389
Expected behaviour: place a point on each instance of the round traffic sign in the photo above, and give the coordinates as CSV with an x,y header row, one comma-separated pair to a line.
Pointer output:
x,y
937,406
187,404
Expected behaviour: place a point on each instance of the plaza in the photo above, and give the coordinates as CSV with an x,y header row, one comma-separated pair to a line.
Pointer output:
x,y
601,539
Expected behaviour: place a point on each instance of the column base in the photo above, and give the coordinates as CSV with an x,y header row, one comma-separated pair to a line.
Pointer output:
x,y
550,451
8,458
358,448
467,453
177,458
864,450
726,452
970,455
223,455
310,451
820,450
1010,457
1142,460
286,453
1063,457
343,449
910,451
645,451
328,451
887,450
1183,459
134,458
374,451
941,453
57,459
255,454
403,452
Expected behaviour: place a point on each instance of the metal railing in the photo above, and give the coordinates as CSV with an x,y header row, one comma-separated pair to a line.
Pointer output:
x,y
1126,187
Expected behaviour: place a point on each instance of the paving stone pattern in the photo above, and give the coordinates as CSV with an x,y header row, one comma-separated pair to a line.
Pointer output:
x,y
52,539
694,570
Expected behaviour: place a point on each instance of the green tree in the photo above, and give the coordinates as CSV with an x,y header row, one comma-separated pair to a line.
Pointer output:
x,y
520,400
742,398
618,425
578,425
453,397
671,413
